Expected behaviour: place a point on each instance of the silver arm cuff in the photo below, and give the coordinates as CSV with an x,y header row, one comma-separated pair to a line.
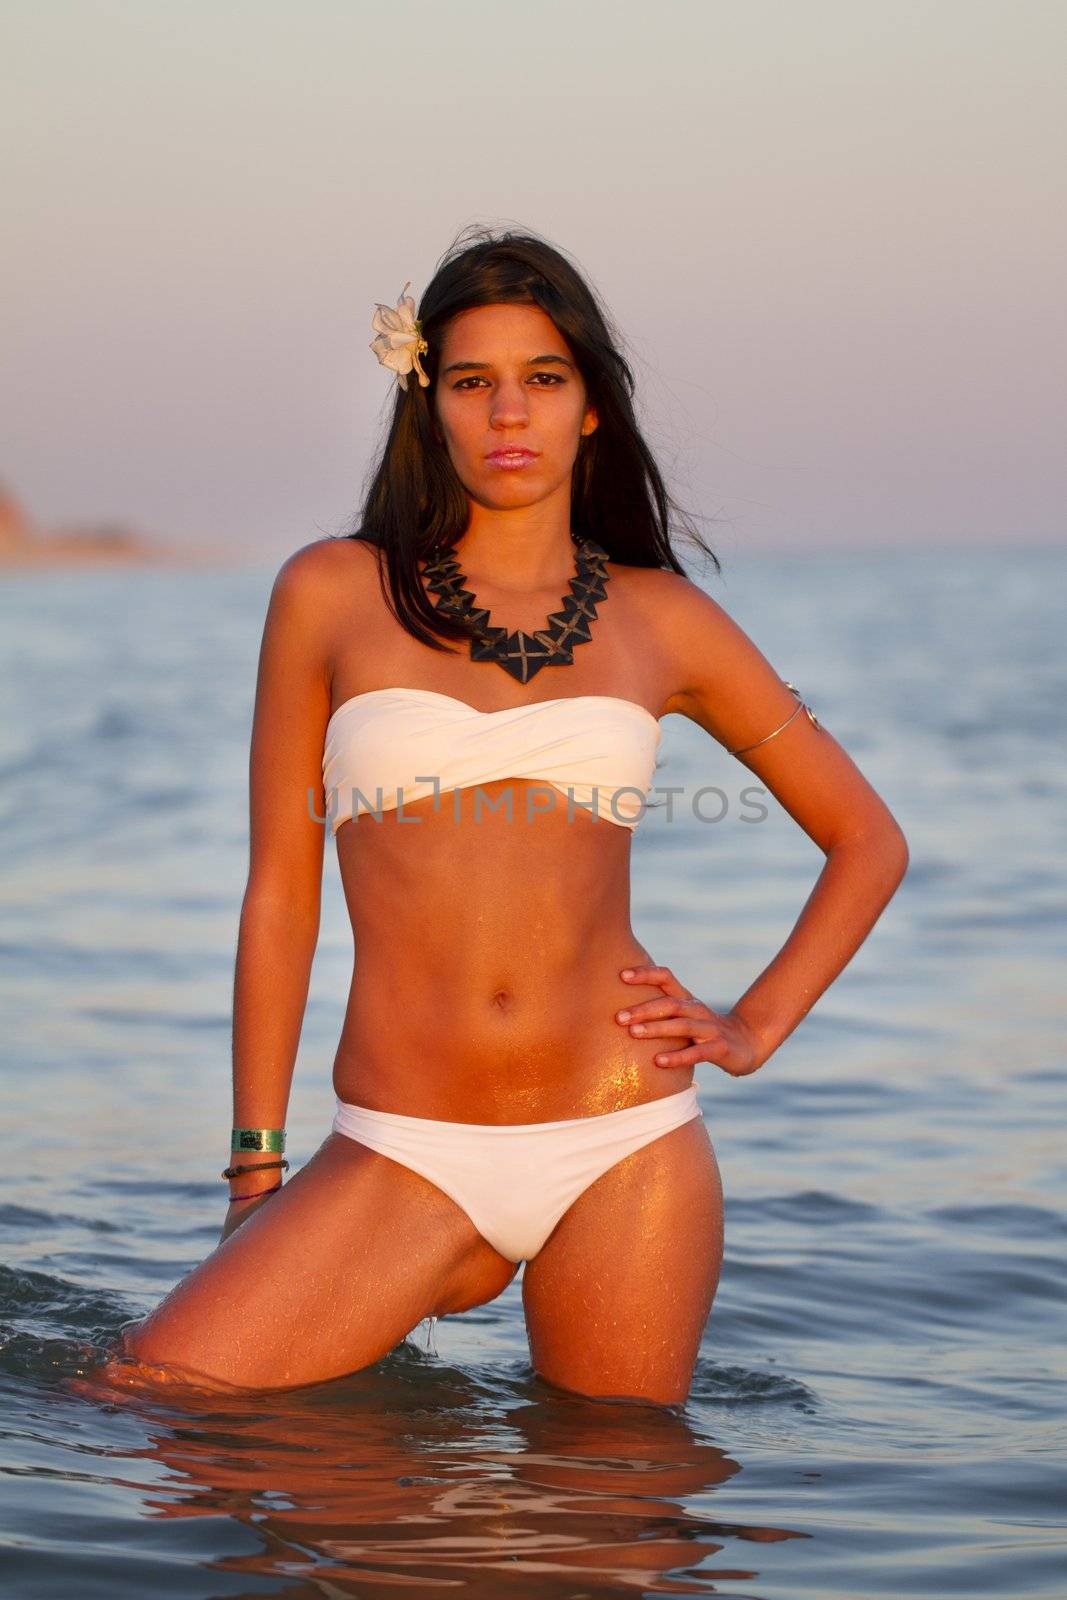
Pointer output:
x,y
745,748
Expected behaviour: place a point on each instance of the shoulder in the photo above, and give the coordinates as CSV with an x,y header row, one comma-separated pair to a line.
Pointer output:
x,y
662,593
324,579
314,586
693,633
714,673
325,564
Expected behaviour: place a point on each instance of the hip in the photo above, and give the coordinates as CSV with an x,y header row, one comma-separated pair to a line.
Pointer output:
x,y
496,1070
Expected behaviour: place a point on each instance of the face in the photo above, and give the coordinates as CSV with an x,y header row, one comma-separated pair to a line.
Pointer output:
x,y
510,404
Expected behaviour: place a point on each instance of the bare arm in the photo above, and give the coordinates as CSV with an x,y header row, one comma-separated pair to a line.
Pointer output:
x,y
279,922
860,877
731,690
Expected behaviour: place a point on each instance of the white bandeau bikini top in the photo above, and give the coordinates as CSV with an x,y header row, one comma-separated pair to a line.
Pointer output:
x,y
389,747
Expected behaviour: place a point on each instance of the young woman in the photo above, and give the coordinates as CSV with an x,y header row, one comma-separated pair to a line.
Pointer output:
x,y
467,692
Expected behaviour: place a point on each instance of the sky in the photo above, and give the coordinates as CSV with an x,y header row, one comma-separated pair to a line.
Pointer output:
x,y
832,234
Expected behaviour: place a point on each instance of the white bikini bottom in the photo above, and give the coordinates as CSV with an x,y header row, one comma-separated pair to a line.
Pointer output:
x,y
515,1180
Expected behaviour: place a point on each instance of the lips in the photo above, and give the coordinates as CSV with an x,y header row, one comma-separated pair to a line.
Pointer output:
x,y
511,456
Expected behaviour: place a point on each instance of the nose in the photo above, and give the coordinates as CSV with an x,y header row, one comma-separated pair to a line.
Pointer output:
x,y
509,408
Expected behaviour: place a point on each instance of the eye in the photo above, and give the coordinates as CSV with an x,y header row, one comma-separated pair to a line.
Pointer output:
x,y
553,378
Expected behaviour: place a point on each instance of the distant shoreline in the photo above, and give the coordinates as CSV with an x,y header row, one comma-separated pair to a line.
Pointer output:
x,y
54,553
25,547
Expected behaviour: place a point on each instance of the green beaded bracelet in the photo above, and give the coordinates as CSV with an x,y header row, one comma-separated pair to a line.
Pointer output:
x,y
272,1139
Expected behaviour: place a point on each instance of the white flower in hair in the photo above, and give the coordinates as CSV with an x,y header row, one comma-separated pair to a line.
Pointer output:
x,y
400,343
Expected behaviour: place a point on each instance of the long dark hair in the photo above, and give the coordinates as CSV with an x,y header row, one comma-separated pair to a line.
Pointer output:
x,y
415,504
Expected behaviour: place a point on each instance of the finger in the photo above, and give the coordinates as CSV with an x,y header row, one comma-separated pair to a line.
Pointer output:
x,y
687,1057
646,1010
692,1019
661,975
668,1028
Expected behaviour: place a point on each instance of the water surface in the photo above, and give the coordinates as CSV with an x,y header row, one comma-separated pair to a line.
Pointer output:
x,y
878,1404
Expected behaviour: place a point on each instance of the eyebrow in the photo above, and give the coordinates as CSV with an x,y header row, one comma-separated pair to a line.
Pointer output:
x,y
482,366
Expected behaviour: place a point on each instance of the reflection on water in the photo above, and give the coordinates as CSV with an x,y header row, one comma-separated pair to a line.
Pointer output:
x,y
416,1474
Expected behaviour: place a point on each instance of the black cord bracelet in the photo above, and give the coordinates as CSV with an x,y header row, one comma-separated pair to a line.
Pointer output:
x,y
251,1166
258,1195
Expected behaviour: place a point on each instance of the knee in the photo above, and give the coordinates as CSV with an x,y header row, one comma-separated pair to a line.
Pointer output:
x,y
141,1359
167,1341
148,1342
668,1394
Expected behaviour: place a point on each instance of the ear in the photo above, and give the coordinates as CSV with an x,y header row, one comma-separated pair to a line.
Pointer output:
x,y
590,422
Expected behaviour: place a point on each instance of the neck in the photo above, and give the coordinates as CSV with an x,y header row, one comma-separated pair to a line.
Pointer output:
x,y
524,549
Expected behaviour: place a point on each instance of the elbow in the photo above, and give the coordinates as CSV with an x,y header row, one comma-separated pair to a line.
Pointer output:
x,y
893,846
889,852
883,847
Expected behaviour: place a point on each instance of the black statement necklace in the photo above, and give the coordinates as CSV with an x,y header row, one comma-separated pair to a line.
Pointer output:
x,y
522,654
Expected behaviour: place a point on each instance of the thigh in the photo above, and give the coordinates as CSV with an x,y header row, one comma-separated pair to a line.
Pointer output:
x,y
617,1300
324,1278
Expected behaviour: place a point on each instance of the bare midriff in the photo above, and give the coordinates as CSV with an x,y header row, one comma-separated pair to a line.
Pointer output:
x,y
488,951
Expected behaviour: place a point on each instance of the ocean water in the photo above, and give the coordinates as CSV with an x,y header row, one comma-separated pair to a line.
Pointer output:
x,y
878,1407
